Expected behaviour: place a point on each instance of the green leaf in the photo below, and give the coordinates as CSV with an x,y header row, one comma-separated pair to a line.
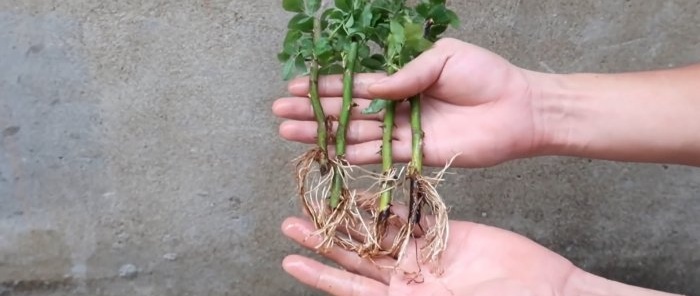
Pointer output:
x,y
381,34
382,5
283,57
379,58
406,56
312,6
328,58
340,43
396,39
418,46
326,17
372,64
322,46
344,5
440,15
413,31
363,51
307,46
301,22
335,16
454,19
415,40
397,31
423,9
359,34
435,32
331,69
300,65
376,106
290,41
324,51
293,5
349,23
366,18
288,69
346,48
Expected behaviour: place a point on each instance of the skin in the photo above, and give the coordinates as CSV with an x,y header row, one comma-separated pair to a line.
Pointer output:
x,y
480,106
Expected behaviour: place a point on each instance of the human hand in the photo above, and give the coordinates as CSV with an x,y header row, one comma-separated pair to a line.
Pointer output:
x,y
475,104
479,260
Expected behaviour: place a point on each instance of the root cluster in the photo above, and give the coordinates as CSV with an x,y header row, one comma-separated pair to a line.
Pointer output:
x,y
357,225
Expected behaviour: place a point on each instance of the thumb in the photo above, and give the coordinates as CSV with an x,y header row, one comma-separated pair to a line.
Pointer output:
x,y
414,78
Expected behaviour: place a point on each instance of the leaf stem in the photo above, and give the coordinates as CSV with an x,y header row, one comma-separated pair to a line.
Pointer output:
x,y
340,144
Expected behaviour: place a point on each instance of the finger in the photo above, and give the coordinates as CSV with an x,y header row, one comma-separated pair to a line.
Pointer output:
x,y
332,85
299,108
370,152
301,231
306,131
331,280
417,76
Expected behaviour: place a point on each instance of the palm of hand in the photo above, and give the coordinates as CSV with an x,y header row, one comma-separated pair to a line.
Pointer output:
x,y
482,135
480,260
480,106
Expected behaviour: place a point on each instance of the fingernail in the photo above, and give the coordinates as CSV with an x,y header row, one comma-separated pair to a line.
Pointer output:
x,y
296,265
298,228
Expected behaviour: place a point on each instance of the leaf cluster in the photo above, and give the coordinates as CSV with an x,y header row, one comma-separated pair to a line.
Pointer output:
x,y
401,32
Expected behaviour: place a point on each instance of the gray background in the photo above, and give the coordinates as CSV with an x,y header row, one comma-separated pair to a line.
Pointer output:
x,y
138,155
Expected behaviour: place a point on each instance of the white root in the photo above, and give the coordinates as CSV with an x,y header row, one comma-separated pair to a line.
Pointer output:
x,y
337,226
314,192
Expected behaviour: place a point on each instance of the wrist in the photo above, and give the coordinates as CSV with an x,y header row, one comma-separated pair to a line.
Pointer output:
x,y
582,283
639,117
557,112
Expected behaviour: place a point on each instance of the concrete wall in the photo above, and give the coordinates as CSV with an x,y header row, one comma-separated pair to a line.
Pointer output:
x,y
138,155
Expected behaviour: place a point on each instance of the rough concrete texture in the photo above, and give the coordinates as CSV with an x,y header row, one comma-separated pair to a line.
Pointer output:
x,y
138,154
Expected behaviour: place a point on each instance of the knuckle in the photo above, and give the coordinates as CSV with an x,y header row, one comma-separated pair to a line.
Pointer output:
x,y
445,42
351,153
356,285
448,44
357,133
320,279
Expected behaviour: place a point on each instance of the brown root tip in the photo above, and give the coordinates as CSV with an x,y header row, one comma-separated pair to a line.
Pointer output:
x,y
385,214
322,159
414,203
323,167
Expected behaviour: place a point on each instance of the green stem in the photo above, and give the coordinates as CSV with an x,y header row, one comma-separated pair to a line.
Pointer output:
x,y
415,202
322,136
417,136
340,144
387,157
